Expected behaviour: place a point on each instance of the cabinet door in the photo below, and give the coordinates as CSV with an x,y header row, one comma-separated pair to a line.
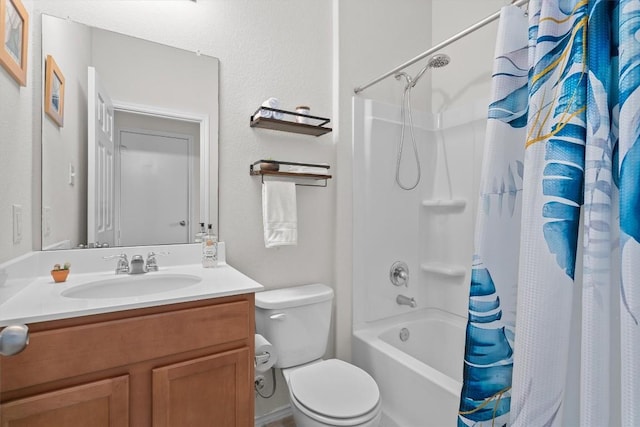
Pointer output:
x,y
209,391
98,404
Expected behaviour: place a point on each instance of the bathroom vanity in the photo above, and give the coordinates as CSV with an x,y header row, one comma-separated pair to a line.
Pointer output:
x,y
182,357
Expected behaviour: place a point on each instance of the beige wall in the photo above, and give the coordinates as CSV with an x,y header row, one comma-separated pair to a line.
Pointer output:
x,y
468,76
16,154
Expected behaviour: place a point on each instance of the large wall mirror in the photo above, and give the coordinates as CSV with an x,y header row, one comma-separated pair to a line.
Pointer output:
x,y
132,156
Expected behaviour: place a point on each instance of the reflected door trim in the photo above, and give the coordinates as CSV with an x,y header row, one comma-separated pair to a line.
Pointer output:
x,y
203,121
100,151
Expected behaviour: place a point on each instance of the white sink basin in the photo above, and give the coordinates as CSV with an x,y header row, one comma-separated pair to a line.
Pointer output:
x,y
132,286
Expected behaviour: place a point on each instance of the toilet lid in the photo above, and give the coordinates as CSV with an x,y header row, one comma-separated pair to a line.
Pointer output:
x,y
334,388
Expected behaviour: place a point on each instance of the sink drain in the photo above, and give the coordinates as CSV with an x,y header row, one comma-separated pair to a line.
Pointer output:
x,y
404,334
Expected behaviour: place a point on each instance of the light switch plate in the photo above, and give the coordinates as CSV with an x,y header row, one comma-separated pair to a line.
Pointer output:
x,y
17,223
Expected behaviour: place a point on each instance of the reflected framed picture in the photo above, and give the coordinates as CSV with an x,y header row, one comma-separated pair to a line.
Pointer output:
x,y
54,91
14,39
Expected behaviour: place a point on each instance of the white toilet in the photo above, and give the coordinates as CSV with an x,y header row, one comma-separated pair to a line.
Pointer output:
x,y
323,393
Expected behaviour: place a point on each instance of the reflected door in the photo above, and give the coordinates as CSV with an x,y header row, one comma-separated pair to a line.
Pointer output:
x,y
154,188
100,167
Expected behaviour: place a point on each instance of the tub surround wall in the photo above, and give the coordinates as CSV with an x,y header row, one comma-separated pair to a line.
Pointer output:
x,y
372,39
365,53
435,241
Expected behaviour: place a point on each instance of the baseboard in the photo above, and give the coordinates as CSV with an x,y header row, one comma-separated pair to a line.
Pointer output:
x,y
274,415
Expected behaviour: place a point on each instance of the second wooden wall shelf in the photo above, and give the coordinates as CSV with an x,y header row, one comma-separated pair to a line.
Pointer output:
x,y
255,170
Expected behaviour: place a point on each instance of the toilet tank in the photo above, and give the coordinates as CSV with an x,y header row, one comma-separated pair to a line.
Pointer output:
x,y
296,321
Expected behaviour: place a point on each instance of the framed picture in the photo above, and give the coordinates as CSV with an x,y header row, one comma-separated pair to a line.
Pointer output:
x,y
54,91
14,39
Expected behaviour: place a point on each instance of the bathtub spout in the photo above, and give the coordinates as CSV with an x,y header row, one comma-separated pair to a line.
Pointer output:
x,y
404,300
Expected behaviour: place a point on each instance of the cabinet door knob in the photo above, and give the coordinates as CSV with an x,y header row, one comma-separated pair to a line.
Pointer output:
x,y
13,339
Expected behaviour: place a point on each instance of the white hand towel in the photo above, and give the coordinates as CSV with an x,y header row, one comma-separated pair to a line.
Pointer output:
x,y
279,213
272,103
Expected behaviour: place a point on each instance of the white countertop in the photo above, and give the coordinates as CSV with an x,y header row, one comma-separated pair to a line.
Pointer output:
x,y
41,299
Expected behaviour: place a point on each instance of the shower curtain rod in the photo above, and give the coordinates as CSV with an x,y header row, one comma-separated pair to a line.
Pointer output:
x,y
437,47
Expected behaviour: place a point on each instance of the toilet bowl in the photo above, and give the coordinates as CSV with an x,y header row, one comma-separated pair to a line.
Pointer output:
x,y
322,393
333,393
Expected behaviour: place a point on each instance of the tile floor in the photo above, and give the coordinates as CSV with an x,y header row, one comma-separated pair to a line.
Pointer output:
x,y
285,422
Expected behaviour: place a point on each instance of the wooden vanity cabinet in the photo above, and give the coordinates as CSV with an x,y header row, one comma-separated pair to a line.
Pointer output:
x,y
188,364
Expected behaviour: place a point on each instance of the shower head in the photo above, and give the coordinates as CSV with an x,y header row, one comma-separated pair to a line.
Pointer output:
x,y
439,60
436,61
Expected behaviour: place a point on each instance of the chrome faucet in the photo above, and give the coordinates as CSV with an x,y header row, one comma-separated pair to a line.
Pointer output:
x,y
137,265
404,300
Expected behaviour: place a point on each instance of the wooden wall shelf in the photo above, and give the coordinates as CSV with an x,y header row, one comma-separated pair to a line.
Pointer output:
x,y
254,170
315,128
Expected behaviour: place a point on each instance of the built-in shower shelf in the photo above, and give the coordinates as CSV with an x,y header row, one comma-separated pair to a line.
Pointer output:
x,y
444,203
444,269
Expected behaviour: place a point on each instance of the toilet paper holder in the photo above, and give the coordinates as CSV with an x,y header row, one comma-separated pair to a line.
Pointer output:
x,y
262,358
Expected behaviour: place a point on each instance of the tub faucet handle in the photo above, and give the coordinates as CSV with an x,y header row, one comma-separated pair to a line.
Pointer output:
x,y
399,274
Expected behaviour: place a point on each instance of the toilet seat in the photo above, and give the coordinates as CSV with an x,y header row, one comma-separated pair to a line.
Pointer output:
x,y
334,392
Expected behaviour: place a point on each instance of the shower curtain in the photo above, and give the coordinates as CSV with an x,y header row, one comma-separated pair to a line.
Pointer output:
x,y
576,346
488,359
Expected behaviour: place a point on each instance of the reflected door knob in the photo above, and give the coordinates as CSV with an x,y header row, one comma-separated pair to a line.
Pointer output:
x,y
13,339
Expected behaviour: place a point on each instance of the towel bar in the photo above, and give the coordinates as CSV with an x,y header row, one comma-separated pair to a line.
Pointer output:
x,y
293,175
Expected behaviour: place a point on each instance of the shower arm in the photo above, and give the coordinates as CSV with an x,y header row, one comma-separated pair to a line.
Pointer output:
x,y
440,46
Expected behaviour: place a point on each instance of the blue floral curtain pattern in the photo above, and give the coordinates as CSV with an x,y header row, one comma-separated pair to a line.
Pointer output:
x,y
576,350
599,209
488,364
629,184
552,197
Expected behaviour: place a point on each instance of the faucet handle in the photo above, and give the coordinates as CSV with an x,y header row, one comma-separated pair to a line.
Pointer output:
x,y
123,263
152,262
399,274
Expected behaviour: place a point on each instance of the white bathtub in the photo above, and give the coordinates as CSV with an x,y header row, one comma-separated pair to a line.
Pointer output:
x,y
419,379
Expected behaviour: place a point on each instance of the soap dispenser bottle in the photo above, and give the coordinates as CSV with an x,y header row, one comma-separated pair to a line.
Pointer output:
x,y
209,249
199,237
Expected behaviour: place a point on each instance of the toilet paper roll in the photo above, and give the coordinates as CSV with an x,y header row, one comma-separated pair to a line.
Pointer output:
x,y
265,355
